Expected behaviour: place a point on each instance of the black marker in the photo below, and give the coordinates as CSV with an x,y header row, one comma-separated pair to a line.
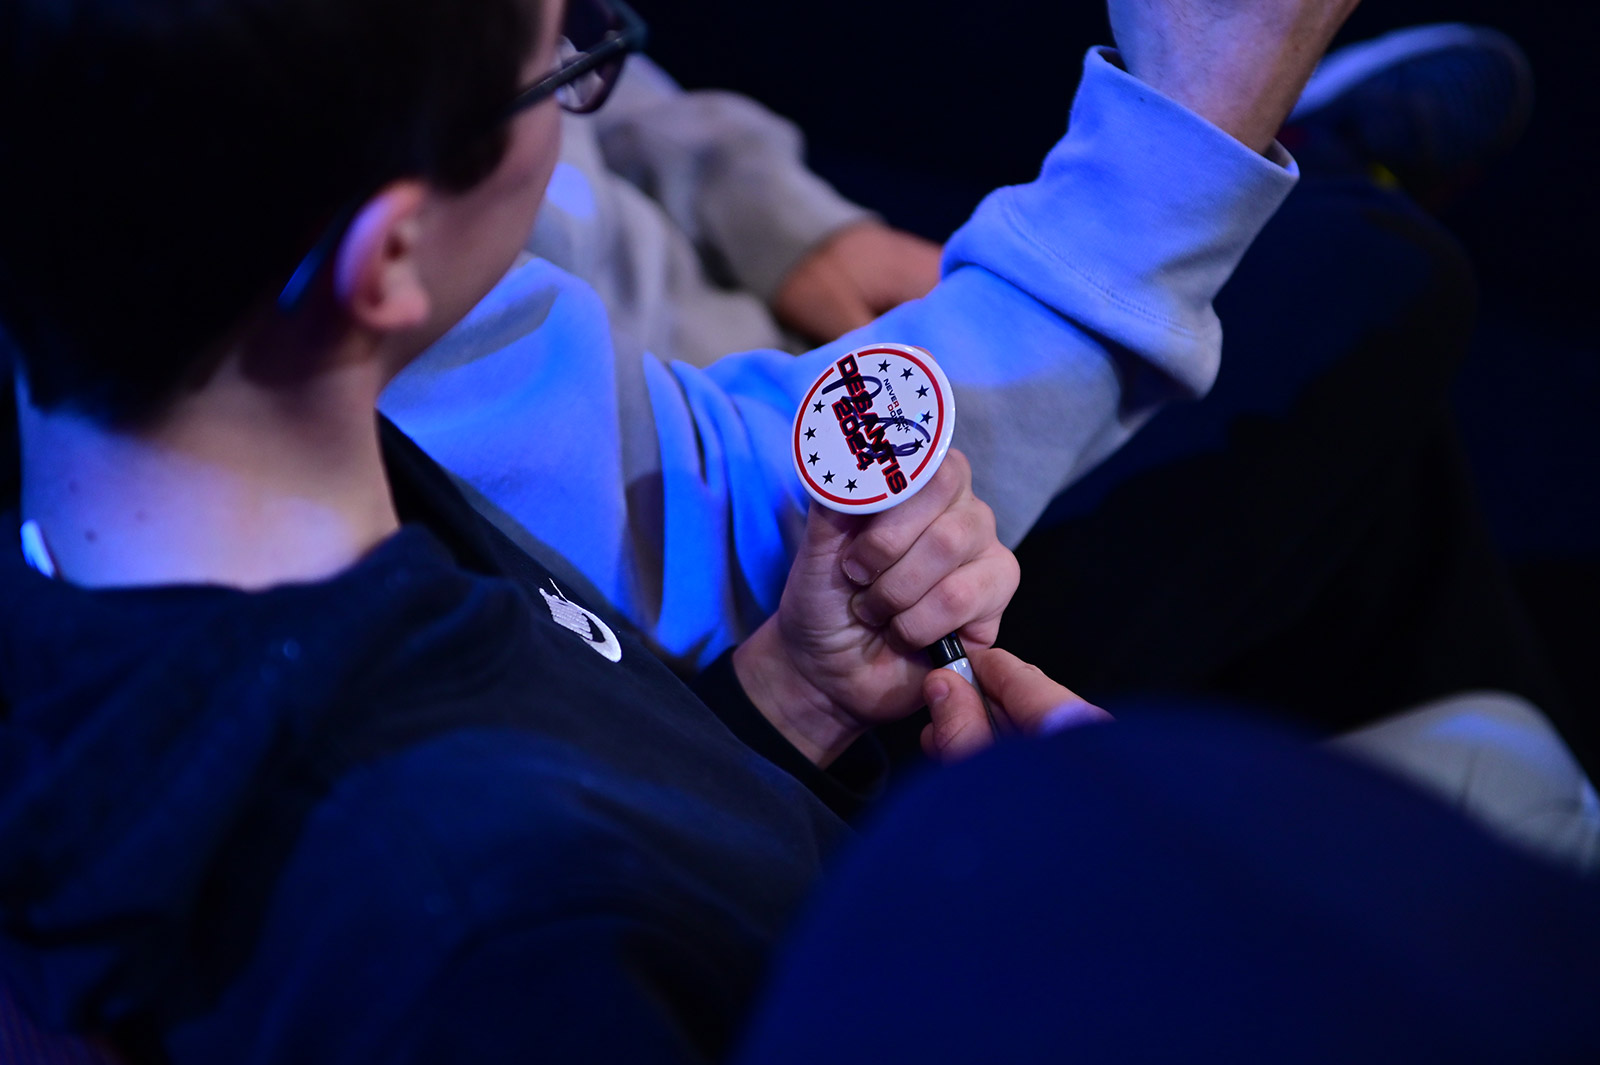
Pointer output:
x,y
949,654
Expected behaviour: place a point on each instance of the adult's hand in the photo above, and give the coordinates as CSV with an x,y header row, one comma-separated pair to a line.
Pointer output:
x,y
859,273
1023,698
865,597
1240,64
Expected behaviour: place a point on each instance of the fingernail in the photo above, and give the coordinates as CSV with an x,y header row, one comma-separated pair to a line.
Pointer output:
x,y
865,612
938,689
855,572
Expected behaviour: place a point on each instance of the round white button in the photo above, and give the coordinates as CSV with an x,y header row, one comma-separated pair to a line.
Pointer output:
x,y
874,427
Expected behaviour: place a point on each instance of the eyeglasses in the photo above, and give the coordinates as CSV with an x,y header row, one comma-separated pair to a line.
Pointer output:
x,y
596,36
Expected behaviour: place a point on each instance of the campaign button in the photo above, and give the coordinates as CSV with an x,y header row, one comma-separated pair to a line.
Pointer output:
x,y
874,428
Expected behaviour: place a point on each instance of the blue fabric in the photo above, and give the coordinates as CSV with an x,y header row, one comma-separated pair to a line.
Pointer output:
x,y
1192,888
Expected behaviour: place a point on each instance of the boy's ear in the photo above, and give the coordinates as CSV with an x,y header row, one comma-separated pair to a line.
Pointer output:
x,y
376,275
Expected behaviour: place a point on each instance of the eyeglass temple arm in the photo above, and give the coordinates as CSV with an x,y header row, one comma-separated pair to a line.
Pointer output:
x,y
631,36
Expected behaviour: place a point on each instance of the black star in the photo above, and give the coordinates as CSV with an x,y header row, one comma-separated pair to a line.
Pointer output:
x,y
926,417
916,445
883,367
827,478
811,434
906,373
922,392
817,406
813,459
850,485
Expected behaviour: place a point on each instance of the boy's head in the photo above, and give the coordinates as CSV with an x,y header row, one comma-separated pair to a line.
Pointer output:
x,y
170,162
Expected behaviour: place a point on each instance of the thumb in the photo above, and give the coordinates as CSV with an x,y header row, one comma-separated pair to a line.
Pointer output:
x,y
1032,701
819,558
960,726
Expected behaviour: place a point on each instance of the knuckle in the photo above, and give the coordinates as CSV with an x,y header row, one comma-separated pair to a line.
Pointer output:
x,y
994,579
985,517
971,528
979,520
953,598
956,462
876,547
954,477
950,539
1009,576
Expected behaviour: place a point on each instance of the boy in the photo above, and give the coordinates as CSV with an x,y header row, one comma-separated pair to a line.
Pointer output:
x,y
304,762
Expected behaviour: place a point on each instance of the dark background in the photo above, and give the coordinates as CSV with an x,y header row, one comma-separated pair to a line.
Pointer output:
x,y
917,109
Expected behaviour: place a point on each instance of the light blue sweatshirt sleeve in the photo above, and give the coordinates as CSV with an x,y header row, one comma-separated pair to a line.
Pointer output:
x,y
1071,308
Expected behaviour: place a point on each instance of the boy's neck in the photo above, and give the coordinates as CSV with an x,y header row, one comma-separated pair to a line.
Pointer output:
x,y
241,484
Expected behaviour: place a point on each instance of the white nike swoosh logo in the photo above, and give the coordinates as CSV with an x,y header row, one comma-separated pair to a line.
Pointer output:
x,y
583,623
602,639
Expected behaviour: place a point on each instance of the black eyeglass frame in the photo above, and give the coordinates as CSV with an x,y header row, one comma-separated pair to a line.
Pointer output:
x,y
629,36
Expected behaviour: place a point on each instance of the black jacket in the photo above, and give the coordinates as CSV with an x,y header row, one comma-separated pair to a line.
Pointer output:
x,y
412,813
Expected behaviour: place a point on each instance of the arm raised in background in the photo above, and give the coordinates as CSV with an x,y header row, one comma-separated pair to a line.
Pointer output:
x,y
1239,64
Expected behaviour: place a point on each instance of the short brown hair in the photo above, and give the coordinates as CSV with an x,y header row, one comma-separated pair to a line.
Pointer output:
x,y
168,162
